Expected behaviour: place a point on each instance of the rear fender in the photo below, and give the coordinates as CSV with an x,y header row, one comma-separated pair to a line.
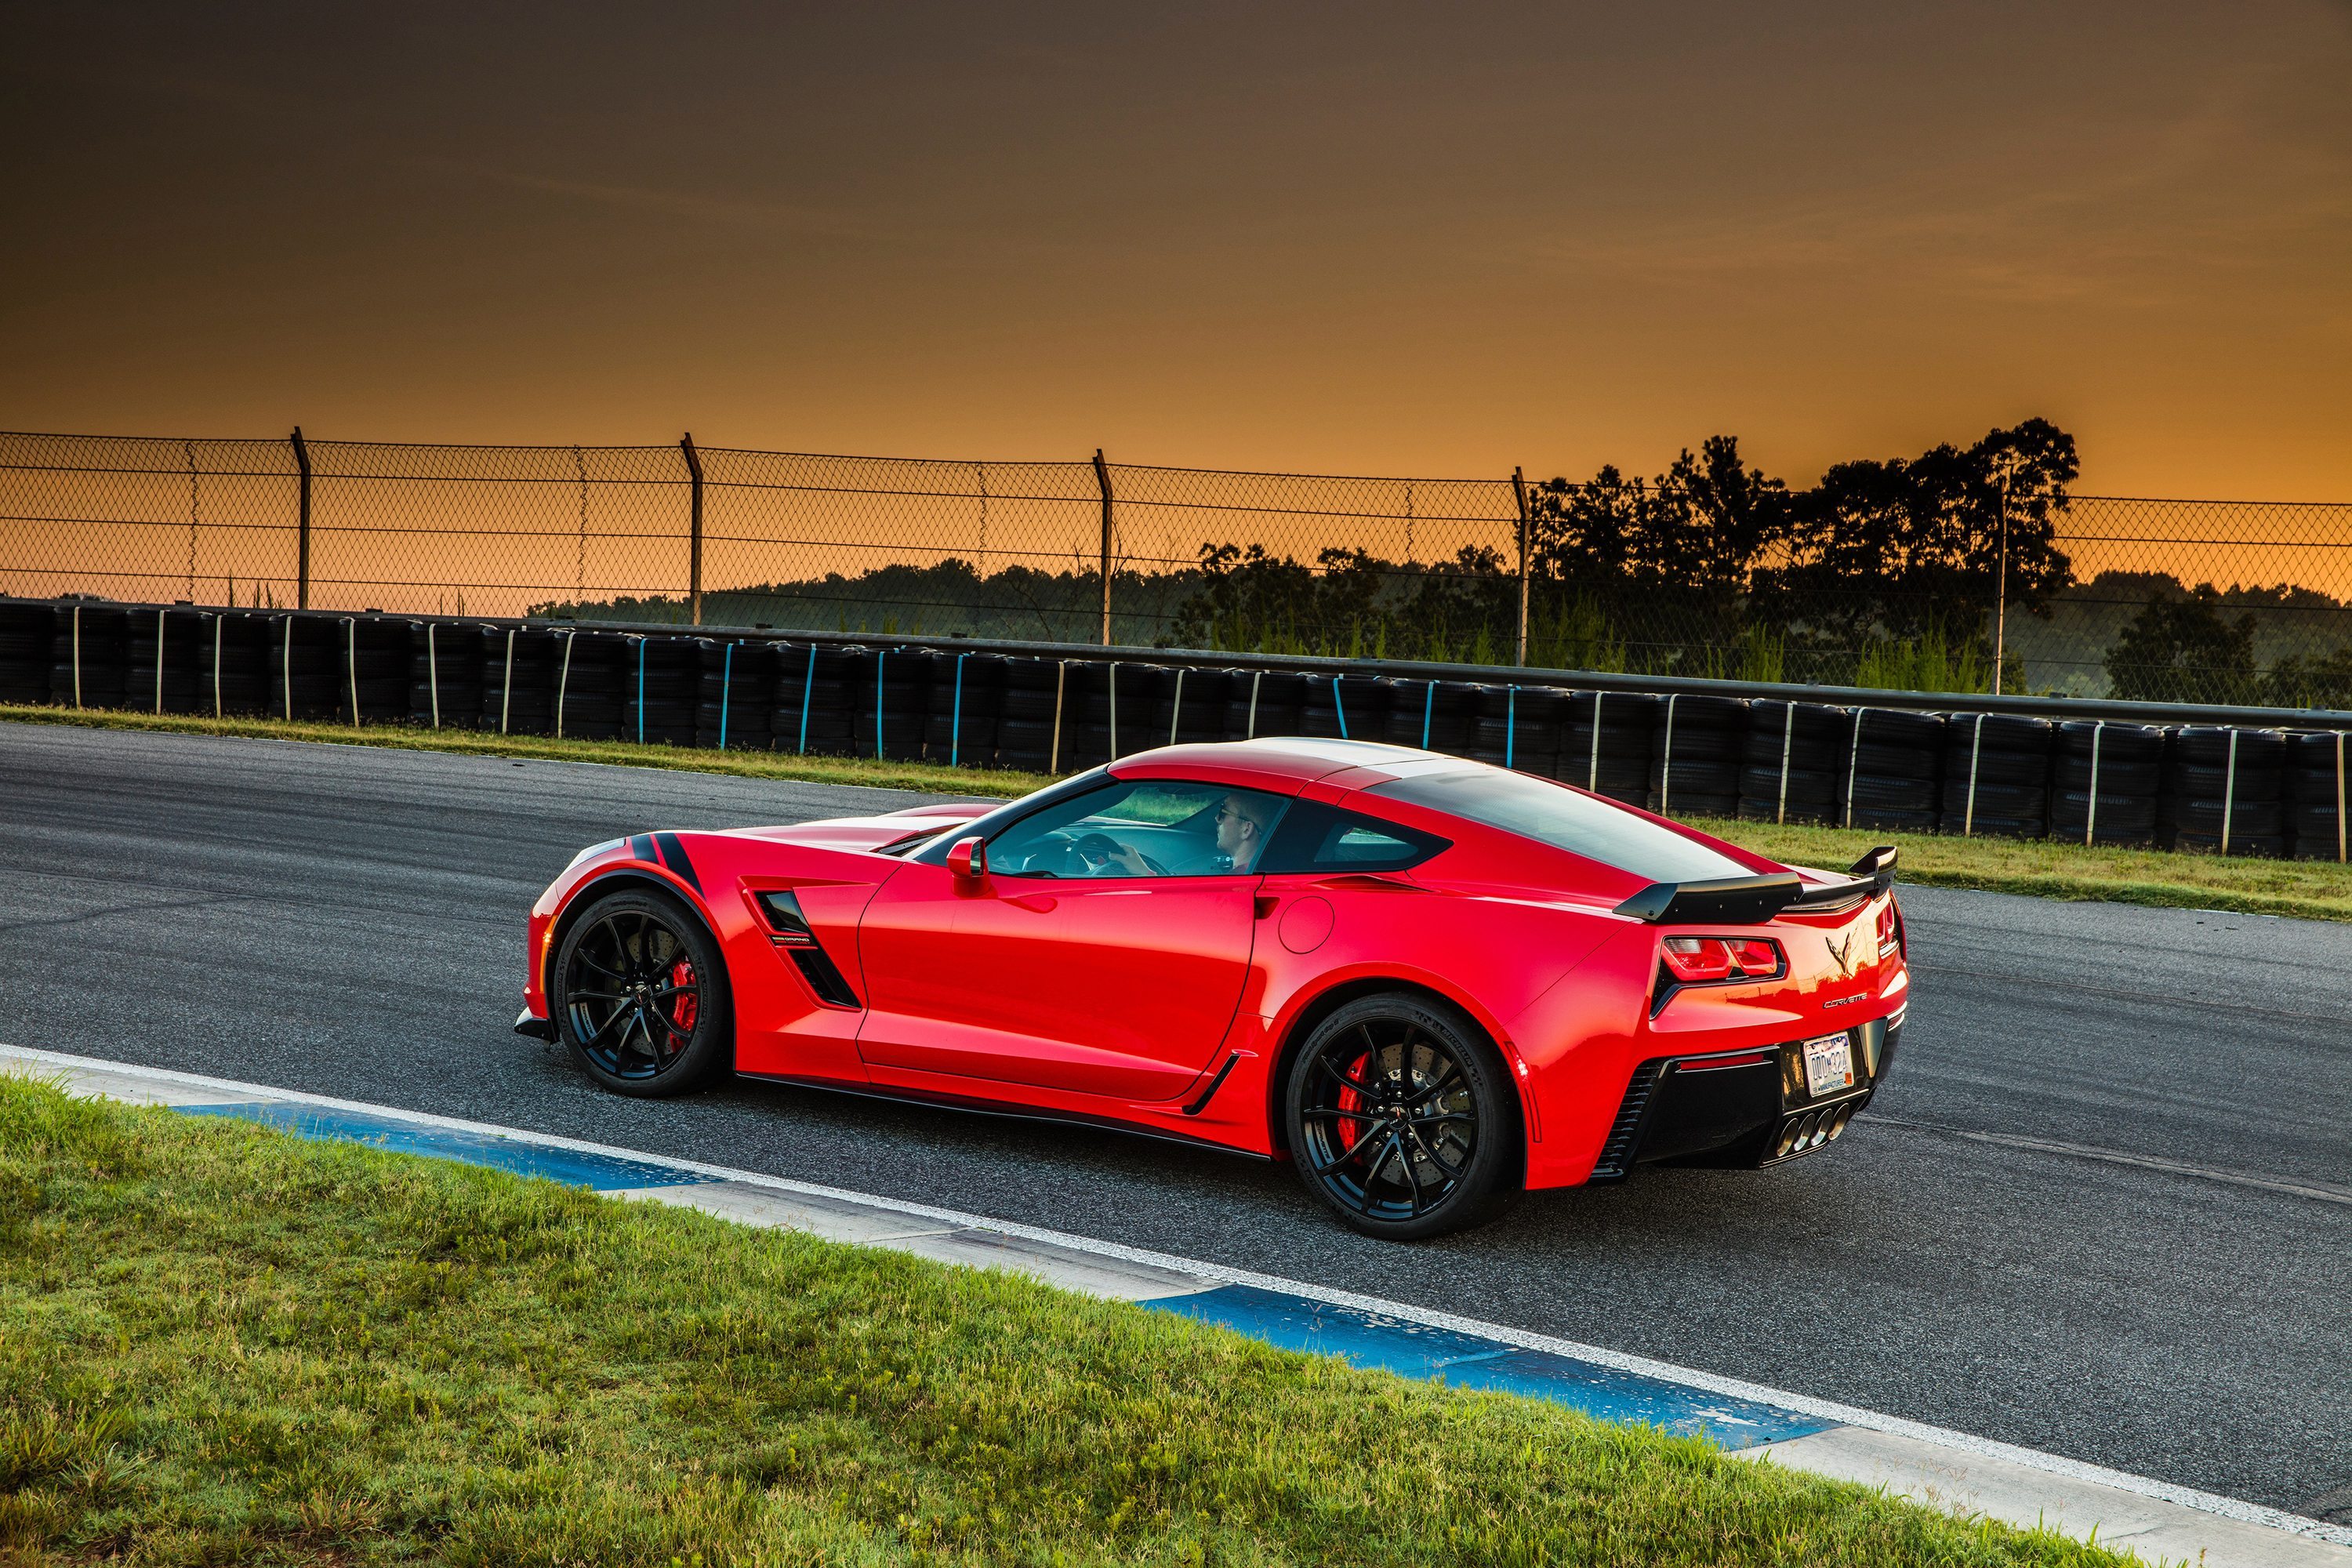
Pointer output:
x,y
1308,1007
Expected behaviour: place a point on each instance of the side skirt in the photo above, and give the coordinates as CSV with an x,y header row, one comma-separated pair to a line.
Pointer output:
x,y
975,1105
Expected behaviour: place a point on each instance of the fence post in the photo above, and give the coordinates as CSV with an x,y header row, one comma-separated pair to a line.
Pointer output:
x,y
302,526
1102,477
694,528
1519,490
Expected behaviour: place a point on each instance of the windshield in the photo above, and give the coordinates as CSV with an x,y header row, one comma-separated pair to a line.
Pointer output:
x,y
1548,814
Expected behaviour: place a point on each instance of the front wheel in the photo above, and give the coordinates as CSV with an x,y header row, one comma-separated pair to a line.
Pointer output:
x,y
641,996
1401,1120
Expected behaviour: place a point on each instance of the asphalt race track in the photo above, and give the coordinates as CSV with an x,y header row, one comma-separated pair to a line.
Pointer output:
x,y
2102,1208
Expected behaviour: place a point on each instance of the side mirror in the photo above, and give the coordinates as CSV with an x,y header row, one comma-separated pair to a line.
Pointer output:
x,y
968,859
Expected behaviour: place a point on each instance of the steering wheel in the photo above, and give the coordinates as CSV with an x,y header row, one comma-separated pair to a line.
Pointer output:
x,y
1095,850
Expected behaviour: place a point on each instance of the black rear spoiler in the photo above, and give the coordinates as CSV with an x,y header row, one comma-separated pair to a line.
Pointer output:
x,y
1753,900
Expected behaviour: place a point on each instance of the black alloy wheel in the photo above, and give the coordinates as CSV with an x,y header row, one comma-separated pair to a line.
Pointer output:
x,y
1399,1119
642,996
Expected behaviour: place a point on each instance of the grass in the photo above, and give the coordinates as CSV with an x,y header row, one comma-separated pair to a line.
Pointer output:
x,y
2307,889
226,1344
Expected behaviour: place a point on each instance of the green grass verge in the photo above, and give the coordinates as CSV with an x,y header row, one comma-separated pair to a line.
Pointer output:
x,y
226,1344
2309,890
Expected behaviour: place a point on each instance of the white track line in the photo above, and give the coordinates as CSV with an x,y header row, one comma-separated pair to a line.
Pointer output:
x,y
1803,1405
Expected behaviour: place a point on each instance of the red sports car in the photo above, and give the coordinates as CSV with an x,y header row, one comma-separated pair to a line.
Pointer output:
x,y
1429,982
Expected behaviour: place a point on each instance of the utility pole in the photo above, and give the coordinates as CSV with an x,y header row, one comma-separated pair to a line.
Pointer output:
x,y
1519,489
1102,477
2000,583
302,526
694,528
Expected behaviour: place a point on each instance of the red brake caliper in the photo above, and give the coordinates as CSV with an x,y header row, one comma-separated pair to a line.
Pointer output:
x,y
1351,1101
682,973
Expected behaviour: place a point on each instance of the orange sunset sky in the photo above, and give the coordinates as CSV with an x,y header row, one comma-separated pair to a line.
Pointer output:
x,y
1358,238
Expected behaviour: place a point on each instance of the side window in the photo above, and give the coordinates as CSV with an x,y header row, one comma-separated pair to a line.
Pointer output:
x,y
1142,827
1319,838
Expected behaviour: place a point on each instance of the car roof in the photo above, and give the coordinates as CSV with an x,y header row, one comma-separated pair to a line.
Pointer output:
x,y
1342,768
1295,759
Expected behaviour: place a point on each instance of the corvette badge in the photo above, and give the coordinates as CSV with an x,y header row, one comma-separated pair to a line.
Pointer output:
x,y
1843,951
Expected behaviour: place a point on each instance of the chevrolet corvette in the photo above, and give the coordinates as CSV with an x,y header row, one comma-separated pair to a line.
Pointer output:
x,y
1429,984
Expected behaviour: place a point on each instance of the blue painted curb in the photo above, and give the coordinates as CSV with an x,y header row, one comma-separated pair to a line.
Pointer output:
x,y
1468,1361
1363,1339
604,1172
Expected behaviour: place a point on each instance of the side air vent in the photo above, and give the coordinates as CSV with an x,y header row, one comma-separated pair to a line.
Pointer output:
x,y
789,929
823,977
1624,1133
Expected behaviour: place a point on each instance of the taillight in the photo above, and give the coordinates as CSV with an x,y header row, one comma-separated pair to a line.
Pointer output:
x,y
1890,930
1698,960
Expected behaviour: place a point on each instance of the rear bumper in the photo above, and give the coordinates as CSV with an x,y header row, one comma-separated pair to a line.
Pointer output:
x,y
1741,1108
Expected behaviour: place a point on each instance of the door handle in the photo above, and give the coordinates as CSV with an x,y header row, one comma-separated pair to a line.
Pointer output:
x,y
1264,904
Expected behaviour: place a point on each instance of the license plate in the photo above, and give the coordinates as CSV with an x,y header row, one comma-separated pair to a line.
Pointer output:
x,y
1829,1065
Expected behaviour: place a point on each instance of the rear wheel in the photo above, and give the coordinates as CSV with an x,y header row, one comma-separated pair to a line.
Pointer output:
x,y
1400,1119
641,996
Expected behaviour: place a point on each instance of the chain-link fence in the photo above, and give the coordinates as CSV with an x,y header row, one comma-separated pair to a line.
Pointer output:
x,y
2223,602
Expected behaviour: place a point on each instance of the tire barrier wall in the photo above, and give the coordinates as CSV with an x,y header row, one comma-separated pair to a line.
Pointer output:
x,y
2216,789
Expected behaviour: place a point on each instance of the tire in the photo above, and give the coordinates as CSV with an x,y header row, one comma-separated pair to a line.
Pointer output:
x,y
1443,1067
608,940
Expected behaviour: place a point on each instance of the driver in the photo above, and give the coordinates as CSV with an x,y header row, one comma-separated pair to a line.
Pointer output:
x,y
1243,819
1100,855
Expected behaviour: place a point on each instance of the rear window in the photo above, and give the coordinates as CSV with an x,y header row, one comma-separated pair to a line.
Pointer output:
x,y
1315,837
1538,809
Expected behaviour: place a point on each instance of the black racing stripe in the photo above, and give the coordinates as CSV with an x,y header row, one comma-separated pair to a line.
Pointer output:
x,y
641,846
674,855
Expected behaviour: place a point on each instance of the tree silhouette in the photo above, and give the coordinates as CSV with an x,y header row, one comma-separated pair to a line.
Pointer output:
x,y
1892,548
2183,651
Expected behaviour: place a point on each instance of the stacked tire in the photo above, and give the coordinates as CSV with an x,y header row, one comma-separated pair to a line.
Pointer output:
x,y
518,676
594,677
2223,791
375,669
967,697
1083,737
1340,709
2318,793
27,634
734,694
1695,756
237,680
1534,719
2106,785
444,675
1791,761
90,656
1265,703
1893,759
661,689
1193,709
1997,775
1029,714
167,664
1605,746
817,688
1494,724
306,668
1434,715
